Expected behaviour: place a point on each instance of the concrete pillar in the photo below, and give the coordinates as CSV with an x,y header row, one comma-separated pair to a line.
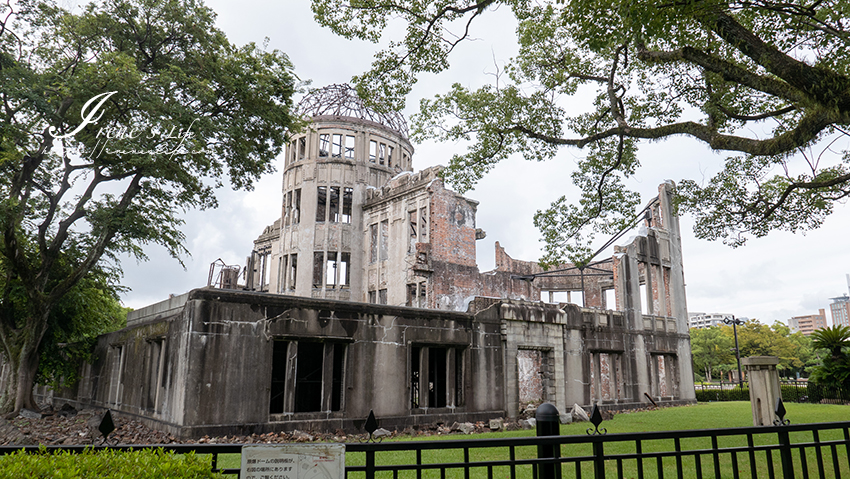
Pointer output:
x,y
764,387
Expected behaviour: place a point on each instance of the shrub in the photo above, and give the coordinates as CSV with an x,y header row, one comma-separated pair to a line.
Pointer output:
x,y
735,394
106,464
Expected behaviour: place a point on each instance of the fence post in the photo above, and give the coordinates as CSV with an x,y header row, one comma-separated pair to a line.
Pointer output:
x,y
785,455
548,424
370,464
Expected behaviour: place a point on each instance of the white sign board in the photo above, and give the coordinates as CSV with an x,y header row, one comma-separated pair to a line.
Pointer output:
x,y
293,461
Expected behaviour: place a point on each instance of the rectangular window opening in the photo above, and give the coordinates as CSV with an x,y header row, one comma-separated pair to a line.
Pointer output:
x,y
337,380
321,203
414,231
423,225
302,147
373,297
385,235
336,146
389,156
347,195
318,264
293,270
382,154
296,207
308,377
349,147
415,353
373,243
330,270
345,269
324,144
373,151
436,377
333,205
382,296
279,354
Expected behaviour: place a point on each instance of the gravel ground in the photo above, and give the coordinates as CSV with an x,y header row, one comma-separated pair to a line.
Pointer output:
x,y
80,428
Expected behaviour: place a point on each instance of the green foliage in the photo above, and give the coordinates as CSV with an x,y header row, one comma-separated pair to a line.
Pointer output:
x,y
767,81
108,464
835,370
734,394
711,348
118,118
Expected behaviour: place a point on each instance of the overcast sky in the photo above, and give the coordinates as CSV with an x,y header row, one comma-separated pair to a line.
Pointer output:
x,y
772,278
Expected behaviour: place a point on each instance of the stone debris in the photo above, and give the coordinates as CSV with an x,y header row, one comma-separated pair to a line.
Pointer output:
x,y
381,432
465,428
565,418
496,424
301,436
579,414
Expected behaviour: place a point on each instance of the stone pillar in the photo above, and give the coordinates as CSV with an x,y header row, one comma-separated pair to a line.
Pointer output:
x,y
764,387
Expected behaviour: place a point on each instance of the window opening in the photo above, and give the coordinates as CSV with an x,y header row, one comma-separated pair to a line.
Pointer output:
x,y
382,153
324,144
347,195
389,156
349,147
436,377
385,233
373,298
278,388
330,270
337,380
288,208
296,207
333,205
318,263
345,269
293,151
423,225
415,353
336,146
321,204
411,295
373,243
382,296
308,377
302,147
373,151
293,270
414,228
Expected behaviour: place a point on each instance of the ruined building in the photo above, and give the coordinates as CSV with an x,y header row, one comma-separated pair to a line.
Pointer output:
x,y
365,295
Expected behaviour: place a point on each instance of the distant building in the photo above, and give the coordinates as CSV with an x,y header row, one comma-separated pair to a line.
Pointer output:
x,y
707,320
840,309
808,324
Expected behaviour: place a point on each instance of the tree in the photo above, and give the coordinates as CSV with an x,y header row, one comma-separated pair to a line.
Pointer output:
x,y
756,339
114,120
835,370
711,348
762,79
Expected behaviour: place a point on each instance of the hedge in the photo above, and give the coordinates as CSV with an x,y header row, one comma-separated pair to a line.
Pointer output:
x,y
735,394
106,464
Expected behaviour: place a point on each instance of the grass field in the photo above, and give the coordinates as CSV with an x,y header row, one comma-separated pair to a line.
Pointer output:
x,y
700,416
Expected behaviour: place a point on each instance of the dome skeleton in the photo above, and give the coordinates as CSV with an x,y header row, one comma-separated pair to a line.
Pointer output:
x,y
342,100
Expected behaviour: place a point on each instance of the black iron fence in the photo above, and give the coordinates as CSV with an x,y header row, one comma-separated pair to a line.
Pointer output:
x,y
792,391
791,451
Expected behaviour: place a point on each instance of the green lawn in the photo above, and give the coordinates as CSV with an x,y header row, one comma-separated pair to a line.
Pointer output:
x,y
700,416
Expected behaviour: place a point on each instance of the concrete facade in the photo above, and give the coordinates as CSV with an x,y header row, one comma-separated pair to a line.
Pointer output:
x,y
241,362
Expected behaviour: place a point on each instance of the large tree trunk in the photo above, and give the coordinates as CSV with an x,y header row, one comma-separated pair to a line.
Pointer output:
x,y
21,349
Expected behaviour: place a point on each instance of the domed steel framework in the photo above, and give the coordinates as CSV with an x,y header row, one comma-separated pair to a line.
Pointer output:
x,y
342,100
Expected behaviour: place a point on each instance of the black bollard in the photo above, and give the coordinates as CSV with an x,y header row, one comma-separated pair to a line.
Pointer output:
x,y
548,424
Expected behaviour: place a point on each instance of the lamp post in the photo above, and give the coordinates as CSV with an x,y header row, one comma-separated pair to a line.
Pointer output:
x,y
735,323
